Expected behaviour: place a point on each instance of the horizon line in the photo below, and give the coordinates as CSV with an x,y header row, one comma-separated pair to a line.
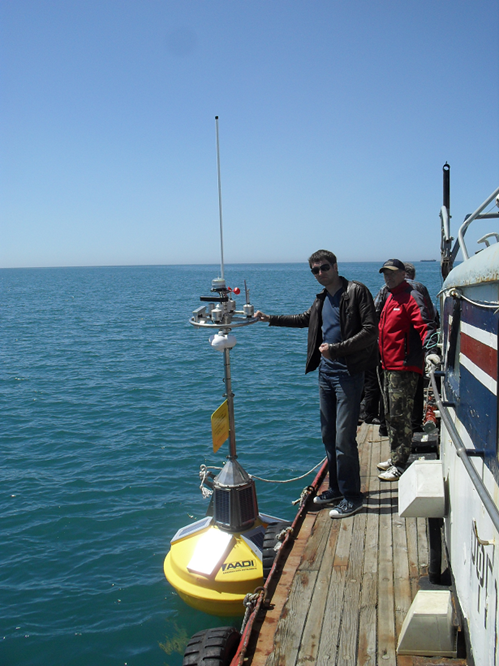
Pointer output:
x,y
240,263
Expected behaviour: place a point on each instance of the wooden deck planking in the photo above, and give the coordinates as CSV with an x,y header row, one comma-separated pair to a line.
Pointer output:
x,y
369,597
264,646
333,607
288,635
314,622
353,580
413,555
347,650
350,623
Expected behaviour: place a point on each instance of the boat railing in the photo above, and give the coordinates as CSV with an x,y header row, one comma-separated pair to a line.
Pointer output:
x,y
477,215
462,452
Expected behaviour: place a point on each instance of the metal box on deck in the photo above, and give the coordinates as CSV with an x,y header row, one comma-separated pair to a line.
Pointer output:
x,y
428,628
421,491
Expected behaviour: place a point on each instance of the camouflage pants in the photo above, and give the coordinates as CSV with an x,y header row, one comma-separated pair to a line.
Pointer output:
x,y
399,391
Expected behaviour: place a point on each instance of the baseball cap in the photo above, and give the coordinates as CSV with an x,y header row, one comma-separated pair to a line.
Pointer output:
x,y
392,265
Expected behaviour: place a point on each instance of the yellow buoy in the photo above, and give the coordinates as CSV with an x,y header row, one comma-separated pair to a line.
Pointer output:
x,y
212,569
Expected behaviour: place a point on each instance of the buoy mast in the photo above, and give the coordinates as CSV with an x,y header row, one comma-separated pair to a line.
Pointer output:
x,y
235,505
216,561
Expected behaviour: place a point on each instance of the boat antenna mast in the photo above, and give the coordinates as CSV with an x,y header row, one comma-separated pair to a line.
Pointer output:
x,y
220,313
235,506
220,204
446,257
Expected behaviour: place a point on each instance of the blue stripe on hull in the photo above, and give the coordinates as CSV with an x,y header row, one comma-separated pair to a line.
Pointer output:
x,y
476,406
479,317
481,424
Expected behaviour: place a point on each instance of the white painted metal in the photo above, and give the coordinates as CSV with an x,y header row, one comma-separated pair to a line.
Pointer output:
x,y
471,537
470,219
428,628
421,491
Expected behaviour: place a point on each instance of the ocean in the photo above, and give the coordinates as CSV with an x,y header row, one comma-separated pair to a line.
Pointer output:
x,y
106,394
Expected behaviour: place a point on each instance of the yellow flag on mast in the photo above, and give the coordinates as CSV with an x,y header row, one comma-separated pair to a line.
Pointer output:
x,y
220,426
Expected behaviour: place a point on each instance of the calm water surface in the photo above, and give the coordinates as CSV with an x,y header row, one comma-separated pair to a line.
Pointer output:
x,y
106,394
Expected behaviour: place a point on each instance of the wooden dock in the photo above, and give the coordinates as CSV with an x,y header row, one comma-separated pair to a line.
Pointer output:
x,y
343,590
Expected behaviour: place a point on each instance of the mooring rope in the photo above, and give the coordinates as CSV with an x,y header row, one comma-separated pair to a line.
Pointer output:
x,y
204,473
303,496
296,478
249,602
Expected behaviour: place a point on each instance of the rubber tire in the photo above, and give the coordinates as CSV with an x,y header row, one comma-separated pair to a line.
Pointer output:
x,y
212,647
269,541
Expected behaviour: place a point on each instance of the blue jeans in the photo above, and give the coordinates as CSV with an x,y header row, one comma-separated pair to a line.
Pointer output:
x,y
340,394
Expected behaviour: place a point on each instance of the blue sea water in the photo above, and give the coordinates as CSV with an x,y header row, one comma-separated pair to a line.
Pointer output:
x,y
106,394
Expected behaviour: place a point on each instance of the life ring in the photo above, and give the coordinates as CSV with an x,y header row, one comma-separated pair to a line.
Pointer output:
x,y
215,647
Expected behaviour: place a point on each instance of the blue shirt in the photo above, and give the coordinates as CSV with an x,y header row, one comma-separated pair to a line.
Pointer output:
x,y
331,327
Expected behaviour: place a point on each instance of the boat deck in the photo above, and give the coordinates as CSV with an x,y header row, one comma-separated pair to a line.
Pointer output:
x,y
341,594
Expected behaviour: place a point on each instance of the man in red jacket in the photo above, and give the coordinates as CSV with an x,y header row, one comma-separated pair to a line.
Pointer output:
x,y
407,332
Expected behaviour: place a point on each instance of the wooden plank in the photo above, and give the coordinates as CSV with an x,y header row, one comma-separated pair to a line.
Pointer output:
x,y
349,630
289,632
368,602
335,599
262,648
317,543
412,554
366,650
423,547
308,652
402,584
386,614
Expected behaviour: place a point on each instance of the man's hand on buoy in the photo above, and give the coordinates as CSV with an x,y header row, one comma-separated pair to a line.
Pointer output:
x,y
262,316
324,350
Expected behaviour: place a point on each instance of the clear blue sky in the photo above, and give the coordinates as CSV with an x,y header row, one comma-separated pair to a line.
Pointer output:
x,y
336,117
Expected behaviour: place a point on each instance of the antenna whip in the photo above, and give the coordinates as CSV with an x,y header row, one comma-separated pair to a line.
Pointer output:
x,y
220,205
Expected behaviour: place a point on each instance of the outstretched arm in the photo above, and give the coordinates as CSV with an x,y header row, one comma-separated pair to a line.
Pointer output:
x,y
262,316
290,321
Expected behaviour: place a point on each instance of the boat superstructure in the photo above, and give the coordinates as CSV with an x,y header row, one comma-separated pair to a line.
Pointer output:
x,y
468,403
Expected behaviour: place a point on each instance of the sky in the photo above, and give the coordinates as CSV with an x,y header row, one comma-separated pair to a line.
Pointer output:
x,y
335,119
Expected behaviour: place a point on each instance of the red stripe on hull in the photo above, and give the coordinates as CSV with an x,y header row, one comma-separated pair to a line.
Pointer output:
x,y
482,355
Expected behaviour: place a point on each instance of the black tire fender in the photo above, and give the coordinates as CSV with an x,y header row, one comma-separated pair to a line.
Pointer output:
x,y
212,647
270,540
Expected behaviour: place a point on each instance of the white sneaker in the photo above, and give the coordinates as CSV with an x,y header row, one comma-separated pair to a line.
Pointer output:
x,y
385,465
345,508
392,474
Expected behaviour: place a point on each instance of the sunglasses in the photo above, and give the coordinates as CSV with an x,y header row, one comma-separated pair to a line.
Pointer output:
x,y
321,269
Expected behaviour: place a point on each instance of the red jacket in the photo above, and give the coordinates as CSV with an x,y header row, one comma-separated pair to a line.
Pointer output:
x,y
406,330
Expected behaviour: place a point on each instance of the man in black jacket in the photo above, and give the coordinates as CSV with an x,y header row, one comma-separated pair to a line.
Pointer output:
x,y
342,343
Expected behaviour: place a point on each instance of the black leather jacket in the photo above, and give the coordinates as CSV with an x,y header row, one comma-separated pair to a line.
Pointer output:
x,y
359,328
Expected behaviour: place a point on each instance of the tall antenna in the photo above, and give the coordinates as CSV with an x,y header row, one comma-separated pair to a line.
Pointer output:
x,y
220,205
